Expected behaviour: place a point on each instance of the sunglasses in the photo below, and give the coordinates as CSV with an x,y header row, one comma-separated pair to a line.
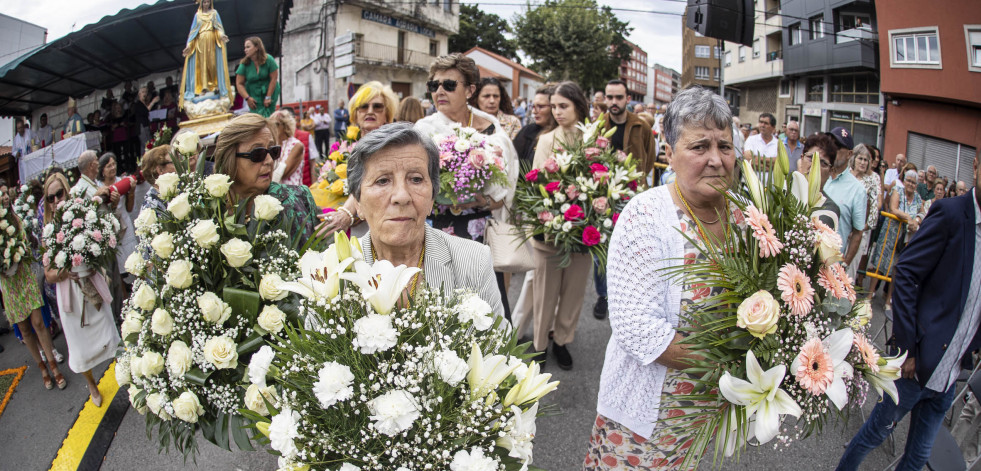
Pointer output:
x,y
376,107
448,85
58,195
259,154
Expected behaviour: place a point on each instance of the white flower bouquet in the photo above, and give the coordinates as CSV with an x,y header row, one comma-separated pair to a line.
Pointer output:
x,y
205,300
776,322
13,242
80,236
376,382
25,207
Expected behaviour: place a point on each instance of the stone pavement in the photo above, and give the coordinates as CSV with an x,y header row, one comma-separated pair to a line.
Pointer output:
x,y
36,421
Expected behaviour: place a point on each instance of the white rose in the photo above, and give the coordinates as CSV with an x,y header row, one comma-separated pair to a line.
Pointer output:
x,y
220,351
205,233
394,412
144,298
473,308
237,252
259,365
333,384
450,367
180,207
155,402
217,184
135,263
179,359
271,319
147,218
163,245
254,398
267,207
135,366
151,364
213,308
269,287
167,185
161,323
759,314
133,392
187,143
863,313
4,223
461,145
179,274
187,407
828,246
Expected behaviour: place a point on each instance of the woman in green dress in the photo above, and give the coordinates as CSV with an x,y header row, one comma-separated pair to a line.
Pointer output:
x,y
22,302
257,78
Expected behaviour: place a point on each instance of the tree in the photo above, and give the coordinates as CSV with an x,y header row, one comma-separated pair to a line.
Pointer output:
x,y
485,30
574,40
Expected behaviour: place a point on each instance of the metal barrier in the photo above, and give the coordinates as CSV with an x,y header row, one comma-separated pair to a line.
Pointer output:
x,y
882,268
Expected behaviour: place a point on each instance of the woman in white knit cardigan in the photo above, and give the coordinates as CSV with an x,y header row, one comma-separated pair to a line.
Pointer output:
x,y
644,358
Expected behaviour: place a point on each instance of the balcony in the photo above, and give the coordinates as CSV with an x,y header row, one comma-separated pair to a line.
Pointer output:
x,y
392,56
774,55
770,13
855,34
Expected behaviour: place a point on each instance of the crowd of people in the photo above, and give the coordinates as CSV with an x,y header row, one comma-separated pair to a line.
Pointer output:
x,y
685,150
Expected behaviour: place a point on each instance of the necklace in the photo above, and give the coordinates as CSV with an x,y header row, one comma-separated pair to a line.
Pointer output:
x,y
698,222
415,279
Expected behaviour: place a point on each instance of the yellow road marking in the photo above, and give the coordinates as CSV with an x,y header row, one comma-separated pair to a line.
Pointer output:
x,y
73,448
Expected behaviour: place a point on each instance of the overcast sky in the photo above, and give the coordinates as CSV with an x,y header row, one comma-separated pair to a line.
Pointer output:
x,y
658,34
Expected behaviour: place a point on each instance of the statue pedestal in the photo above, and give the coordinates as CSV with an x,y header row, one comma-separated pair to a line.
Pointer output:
x,y
207,125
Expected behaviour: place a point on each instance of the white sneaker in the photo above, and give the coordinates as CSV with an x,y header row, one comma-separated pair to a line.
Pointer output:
x,y
58,356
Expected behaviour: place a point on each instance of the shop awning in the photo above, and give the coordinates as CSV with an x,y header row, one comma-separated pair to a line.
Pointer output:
x,y
127,46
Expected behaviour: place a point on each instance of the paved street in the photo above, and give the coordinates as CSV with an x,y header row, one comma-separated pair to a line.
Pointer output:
x,y
36,421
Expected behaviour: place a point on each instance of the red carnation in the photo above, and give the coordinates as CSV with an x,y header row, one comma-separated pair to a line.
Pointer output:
x,y
532,176
598,167
615,217
590,236
552,187
632,185
574,213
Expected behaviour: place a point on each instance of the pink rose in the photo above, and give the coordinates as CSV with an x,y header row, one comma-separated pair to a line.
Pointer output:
x,y
621,156
532,176
545,217
602,142
572,192
551,166
590,236
97,235
593,152
77,222
76,260
112,241
574,213
477,158
600,204
60,237
552,187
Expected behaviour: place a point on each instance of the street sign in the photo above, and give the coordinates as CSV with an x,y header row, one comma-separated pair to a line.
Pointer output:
x,y
342,72
344,49
343,60
344,39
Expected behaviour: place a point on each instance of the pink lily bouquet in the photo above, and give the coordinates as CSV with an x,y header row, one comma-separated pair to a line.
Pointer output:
x,y
575,199
80,238
786,334
468,164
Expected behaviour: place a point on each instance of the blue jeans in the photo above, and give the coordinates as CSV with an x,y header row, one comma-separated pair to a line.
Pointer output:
x,y
928,408
599,278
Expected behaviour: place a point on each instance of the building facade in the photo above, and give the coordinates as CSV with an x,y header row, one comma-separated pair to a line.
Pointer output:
x,y
17,37
700,59
830,56
931,77
634,72
332,48
663,85
518,79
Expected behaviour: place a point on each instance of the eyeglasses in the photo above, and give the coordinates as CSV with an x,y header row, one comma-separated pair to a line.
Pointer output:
x,y
376,107
448,85
258,154
824,163
58,195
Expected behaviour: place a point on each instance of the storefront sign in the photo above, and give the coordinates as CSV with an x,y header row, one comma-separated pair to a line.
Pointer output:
x,y
871,115
808,111
397,23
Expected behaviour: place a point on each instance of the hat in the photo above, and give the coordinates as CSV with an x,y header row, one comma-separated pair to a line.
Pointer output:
x,y
843,137
71,102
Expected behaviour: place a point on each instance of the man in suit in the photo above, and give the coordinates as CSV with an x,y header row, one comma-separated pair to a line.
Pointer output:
x,y
937,310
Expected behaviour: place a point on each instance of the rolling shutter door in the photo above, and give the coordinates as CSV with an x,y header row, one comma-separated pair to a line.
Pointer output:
x,y
923,150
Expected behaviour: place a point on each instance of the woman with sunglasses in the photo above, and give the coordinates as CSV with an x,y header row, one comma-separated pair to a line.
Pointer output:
x,y
90,332
493,99
247,153
22,303
372,106
289,169
452,83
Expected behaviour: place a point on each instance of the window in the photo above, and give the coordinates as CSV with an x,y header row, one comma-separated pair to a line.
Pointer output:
x,y
728,58
701,51
859,88
448,5
973,35
756,48
861,129
717,74
915,48
742,54
718,52
786,88
815,89
434,48
795,36
816,27
701,73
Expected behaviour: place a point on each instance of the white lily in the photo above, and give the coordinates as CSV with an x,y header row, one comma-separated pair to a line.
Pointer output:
x,y
486,373
519,432
838,344
733,438
532,387
814,182
798,188
321,275
761,396
564,159
382,283
589,130
890,369
754,185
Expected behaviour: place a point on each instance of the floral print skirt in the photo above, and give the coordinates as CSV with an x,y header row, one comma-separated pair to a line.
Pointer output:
x,y
614,447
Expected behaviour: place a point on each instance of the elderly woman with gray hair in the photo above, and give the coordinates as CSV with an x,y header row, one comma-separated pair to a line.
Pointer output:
x,y
393,174
905,203
645,356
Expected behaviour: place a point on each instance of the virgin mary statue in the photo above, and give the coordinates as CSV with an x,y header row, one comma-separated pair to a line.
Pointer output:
x,y
205,62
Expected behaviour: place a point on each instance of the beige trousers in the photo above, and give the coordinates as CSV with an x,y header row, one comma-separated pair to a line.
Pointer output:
x,y
558,294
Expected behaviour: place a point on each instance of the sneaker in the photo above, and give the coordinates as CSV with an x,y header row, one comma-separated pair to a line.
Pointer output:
x,y
562,356
600,309
58,356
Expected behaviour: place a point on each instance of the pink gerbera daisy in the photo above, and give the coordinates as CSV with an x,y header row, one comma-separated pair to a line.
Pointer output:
x,y
845,281
815,370
867,351
796,289
763,232
828,280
